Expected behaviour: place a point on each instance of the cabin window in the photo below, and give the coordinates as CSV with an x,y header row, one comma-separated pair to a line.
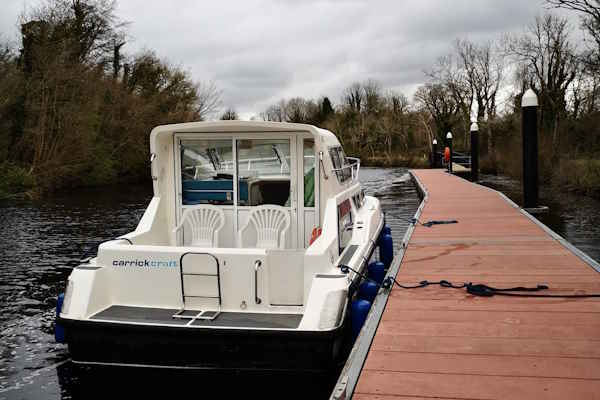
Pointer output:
x,y
309,172
344,224
358,199
206,172
340,165
263,172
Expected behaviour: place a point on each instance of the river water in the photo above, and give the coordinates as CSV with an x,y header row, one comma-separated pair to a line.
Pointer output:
x,y
40,242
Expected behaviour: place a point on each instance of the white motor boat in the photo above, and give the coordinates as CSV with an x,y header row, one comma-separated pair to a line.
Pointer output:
x,y
236,261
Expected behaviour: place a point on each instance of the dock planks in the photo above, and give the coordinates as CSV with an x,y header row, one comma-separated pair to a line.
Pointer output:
x,y
443,343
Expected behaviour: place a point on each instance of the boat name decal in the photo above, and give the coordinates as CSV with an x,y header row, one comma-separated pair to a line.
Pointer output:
x,y
144,263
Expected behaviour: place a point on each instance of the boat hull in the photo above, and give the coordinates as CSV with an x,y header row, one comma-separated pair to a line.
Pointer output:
x,y
97,342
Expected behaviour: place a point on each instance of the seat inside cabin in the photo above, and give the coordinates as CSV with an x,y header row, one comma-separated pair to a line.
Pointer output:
x,y
239,174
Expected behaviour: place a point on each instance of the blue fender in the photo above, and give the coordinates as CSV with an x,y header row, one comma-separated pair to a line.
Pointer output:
x,y
360,310
59,330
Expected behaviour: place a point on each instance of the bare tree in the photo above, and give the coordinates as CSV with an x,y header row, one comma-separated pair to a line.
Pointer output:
x,y
373,96
396,105
354,97
275,112
590,22
551,63
296,110
441,105
483,68
449,73
229,115
209,99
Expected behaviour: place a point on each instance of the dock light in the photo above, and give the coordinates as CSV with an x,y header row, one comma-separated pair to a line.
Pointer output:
x,y
474,152
433,160
449,146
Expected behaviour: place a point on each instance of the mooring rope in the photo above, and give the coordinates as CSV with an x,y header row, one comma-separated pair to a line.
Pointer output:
x,y
429,224
480,289
26,380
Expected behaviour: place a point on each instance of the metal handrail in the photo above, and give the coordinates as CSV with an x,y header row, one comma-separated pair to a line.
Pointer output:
x,y
257,265
354,169
458,158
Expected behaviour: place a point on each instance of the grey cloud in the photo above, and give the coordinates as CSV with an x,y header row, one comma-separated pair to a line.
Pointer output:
x,y
258,51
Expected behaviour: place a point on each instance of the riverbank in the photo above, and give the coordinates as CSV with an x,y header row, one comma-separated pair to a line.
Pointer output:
x,y
18,183
15,182
579,176
396,161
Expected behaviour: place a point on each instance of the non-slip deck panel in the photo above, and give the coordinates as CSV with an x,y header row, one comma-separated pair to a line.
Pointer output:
x,y
438,342
144,315
253,320
164,316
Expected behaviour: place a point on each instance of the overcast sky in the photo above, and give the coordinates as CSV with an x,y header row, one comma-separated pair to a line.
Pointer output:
x,y
259,51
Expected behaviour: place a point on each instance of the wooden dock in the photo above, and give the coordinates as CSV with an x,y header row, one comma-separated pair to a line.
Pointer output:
x,y
443,343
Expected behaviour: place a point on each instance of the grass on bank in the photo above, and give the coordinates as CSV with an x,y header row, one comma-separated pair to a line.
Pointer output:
x,y
574,175
581,175
14,181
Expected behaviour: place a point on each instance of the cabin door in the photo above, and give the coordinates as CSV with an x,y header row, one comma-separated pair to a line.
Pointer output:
x,y
266,175
308,189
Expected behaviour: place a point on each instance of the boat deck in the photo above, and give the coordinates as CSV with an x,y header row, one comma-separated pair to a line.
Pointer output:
x,y
442,343
164,316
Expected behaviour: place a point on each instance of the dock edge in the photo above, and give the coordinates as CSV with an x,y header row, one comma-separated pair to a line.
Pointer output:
x,y
348,378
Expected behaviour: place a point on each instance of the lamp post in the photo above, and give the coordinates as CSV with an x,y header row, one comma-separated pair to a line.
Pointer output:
x,y
529,130
449,144
474,152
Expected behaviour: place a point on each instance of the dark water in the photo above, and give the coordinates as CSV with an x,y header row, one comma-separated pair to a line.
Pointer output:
x,y
574,217
40,242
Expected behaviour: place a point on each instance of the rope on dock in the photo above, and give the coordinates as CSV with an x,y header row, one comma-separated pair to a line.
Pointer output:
x,y
480,289
429,224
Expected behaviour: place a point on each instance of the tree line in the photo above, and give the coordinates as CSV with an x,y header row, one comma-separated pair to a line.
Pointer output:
x,y
75,110
483,82
379,126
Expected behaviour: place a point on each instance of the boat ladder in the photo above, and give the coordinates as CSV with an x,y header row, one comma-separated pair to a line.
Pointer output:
x,y
200,279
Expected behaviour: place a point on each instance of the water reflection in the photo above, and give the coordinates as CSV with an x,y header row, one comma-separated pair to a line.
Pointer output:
x,y
41,242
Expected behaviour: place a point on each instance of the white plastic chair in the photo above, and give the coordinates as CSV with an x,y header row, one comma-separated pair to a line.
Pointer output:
x,y
271,223
205,222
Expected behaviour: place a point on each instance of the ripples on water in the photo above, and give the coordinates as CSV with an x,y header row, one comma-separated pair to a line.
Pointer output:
x,y
39,245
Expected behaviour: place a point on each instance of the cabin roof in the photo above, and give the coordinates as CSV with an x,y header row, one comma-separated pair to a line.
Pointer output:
x,y
324,136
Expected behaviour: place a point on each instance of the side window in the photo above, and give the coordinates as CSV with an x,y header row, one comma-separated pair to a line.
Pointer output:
x,y
340,164
358,200
206,172
335,158
344,224
308,164
263,172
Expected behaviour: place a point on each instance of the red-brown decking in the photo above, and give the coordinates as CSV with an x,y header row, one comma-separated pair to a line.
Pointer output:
x,y
443,343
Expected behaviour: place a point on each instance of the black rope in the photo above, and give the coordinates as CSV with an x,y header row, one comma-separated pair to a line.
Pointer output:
x,y
474,289
489,291
429,224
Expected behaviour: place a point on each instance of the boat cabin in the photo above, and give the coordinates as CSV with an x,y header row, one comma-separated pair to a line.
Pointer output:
x,y
239,167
